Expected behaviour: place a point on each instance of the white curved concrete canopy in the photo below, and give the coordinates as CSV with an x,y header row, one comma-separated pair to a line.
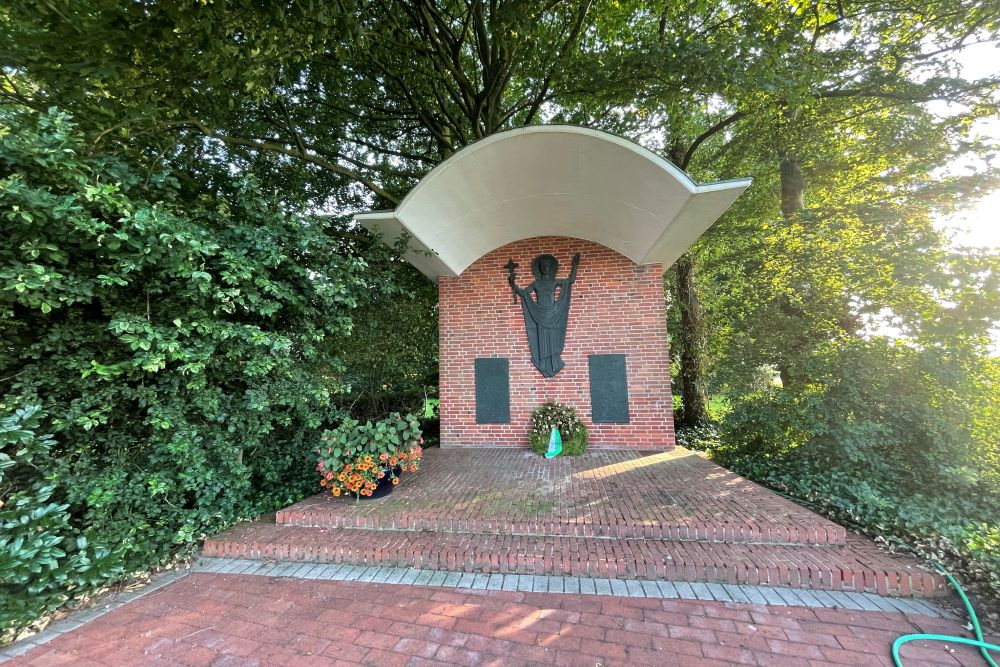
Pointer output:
x,y
552,180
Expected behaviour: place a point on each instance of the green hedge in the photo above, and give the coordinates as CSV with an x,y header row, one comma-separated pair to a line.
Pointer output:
x,y
178,342
895,440
45,560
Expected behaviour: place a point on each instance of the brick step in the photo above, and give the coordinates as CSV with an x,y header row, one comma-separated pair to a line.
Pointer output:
x,y
859,566
326,512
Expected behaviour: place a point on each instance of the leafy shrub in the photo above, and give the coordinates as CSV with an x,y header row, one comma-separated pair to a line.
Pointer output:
x,y
354,456
181,342
704,437
390,358
45,560
556,415
882,440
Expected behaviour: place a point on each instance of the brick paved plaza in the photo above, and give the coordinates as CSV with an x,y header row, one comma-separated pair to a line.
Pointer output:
x,y
672,515
219,619
499,557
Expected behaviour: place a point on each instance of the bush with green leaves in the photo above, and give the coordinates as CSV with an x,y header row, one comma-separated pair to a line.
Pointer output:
x,y
179,339
888,437
45,560
391,356
556,415
703,437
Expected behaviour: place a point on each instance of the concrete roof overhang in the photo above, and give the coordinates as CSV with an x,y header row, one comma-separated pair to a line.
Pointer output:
x,y
551,180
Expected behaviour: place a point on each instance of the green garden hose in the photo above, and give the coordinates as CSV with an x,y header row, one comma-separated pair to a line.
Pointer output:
x,y
984,647
979,642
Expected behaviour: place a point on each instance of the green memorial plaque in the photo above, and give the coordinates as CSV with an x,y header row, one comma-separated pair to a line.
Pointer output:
x,y
492,390
608,389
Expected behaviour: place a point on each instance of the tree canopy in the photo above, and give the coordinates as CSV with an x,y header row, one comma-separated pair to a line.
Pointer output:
x,y
184,294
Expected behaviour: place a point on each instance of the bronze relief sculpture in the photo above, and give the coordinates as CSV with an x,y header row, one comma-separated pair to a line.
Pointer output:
x,y
545,306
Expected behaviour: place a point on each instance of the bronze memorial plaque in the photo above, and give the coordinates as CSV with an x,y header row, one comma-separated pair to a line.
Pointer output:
x,y
492,390
608,389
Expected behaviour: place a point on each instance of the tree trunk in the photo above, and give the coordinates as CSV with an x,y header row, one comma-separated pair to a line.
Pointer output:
x,y
693,393
792,186
792,190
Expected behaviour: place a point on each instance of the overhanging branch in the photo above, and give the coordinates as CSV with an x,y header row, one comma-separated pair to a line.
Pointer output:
x,y
707,134
298,153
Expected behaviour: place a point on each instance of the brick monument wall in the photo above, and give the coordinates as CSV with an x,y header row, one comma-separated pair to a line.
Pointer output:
x,y
617,307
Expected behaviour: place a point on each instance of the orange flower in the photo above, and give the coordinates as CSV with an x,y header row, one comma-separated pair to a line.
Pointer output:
x,y
381,475
322,482
393,461
413,468
336,490
383,456
341,477
395,480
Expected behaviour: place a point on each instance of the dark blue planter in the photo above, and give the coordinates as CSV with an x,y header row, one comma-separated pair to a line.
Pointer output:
x,y
384,486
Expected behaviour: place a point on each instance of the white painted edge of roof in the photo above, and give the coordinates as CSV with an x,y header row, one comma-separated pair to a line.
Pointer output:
x,y
389,229
683,230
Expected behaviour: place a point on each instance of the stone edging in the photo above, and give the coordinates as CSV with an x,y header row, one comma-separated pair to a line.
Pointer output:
x,y
78,618
762,595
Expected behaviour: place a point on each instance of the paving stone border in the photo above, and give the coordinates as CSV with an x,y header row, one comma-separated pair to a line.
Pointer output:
x,y
78,618
857,567
761,595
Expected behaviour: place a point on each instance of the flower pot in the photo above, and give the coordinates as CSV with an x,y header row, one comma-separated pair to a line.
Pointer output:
x,y
384,486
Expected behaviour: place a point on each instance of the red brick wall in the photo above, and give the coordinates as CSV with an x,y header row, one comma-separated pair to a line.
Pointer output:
x,y
617,308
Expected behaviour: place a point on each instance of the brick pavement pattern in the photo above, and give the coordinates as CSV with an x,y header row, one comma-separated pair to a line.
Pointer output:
x,y
678,494
219,620
860,569
668,516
